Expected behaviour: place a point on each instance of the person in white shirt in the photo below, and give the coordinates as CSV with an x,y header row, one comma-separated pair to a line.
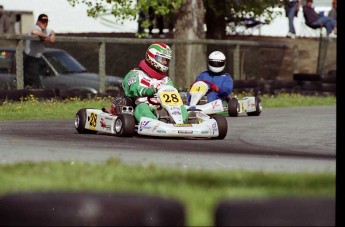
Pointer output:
x,y
34,50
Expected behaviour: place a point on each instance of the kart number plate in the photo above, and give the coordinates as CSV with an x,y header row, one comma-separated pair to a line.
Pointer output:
x,y
170,98
92,121
198,88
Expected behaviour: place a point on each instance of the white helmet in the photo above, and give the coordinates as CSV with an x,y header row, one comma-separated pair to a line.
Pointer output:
x,y
216,61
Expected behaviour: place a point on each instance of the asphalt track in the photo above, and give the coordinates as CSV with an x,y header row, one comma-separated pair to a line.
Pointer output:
x,y
280,139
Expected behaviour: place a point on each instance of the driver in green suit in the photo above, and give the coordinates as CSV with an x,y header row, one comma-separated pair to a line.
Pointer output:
x,y
144,81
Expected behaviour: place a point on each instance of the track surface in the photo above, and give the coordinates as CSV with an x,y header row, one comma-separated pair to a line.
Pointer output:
x,y
280,139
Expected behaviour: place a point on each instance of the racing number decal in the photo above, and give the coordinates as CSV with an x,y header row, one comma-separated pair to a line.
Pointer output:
x,y
171,98
93,121
195,89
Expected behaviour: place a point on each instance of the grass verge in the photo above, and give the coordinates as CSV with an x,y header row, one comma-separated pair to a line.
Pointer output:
x,y
198,191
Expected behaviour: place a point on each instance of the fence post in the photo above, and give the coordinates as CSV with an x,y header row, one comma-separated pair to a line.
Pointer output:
x,y
236,60
295,58
172,64
101,59
19,65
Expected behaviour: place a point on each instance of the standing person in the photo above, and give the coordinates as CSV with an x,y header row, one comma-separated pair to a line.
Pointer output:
x,y
220,83
34,50
333,12
3,21
315,19
292,7
144,81
160,25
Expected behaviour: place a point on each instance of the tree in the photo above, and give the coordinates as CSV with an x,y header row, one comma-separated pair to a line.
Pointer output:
x,y
219,13
190,21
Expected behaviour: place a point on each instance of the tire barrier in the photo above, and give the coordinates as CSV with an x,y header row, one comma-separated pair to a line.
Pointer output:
x,y
89,209
115,209
276,212
302,83
18,95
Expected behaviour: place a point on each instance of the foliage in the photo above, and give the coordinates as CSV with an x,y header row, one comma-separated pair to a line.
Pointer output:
x,y
127,9
234,10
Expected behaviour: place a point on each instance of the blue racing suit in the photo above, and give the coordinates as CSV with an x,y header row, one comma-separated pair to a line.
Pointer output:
x,y
221,81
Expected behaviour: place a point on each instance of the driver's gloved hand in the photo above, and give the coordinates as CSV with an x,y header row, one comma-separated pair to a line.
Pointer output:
x,y
150,91
214,87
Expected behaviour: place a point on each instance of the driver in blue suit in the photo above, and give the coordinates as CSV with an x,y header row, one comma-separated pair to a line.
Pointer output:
x,y
220,83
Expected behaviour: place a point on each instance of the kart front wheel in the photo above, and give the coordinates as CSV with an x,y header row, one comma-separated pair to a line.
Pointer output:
x,y
233,107
222,126
125,125
258,107
80,121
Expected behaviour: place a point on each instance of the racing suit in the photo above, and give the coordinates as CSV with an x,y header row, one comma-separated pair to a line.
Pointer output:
x,y
220,84
138,84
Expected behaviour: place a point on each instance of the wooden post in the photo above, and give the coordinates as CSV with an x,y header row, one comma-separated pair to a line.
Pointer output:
x,y
19,65
101,58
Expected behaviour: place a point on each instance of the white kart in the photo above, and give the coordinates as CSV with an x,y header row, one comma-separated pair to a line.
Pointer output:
x,y
251,105
169,123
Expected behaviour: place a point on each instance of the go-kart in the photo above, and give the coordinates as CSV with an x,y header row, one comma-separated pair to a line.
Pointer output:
x,y
169,123
198,100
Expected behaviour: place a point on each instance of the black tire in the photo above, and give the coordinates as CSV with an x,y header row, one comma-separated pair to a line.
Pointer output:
x,y
80,120
306,77
233,107
258,107
222,126
125,125
330,77
326,87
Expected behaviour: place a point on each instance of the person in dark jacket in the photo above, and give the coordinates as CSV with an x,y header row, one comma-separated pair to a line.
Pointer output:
x,y
314,19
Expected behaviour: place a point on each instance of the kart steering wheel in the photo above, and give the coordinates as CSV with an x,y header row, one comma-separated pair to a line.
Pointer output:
x,y
151,101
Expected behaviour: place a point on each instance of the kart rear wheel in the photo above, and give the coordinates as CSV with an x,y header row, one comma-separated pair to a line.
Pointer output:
x,y
233,107
258,107
80,121
125,125
222,126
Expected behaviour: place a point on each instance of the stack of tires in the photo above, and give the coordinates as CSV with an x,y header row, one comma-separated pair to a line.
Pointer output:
x,y
316,84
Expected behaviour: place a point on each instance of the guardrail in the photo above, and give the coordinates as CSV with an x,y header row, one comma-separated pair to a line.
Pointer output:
x,y
102,41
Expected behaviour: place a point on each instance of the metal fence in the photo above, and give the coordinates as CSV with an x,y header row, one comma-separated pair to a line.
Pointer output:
x,y
236,46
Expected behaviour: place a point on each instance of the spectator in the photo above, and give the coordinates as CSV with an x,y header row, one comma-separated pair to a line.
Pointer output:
x,y
34,50
314,19
157,20
4,21
291,8
160,25
333,12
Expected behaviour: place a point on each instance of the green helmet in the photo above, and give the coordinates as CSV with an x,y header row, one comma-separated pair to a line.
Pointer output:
x,y
158,56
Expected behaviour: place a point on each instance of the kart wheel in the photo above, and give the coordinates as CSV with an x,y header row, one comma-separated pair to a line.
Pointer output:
x,y
124,125
258,107
233,107
79,122
222,126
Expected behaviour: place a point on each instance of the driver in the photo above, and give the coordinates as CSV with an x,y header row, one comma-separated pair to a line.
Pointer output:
x,y
220,83
144,81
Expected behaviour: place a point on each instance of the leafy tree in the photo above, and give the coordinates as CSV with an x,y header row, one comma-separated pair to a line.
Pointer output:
x,y
191,15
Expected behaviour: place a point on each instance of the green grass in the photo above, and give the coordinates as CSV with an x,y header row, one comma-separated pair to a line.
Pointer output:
x,y
198,191
30,108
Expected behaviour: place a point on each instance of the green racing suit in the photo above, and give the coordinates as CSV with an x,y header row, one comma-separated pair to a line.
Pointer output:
x,y
139,85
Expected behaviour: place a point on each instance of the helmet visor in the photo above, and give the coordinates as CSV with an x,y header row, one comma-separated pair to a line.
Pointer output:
x,y
162,60
219,63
